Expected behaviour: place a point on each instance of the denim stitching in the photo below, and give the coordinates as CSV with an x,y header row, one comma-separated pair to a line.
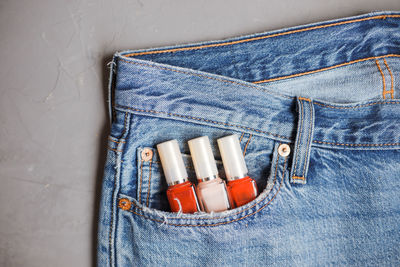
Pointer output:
x,y
112,222
383,79
112,196
276,135
262,37
115,150
247,143
298,178
270,92
207,77
309,137
323,69
359,106
263,81
148,189
125,121
202,119
116,141
391,79
140,181
344,144
241,137
299,138
235,220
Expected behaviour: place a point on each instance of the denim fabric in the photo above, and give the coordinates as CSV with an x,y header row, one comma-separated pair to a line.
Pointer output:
x,y
330,90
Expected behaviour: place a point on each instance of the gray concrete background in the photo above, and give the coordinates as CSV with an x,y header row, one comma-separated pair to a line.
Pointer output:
x,y
53,118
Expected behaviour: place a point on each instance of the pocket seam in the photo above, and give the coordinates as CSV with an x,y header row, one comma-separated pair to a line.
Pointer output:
x,y
139,191
227,222
120,146
148,187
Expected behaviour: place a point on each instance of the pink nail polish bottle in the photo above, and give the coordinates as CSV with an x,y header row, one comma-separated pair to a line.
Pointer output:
x,y
242,188
211,189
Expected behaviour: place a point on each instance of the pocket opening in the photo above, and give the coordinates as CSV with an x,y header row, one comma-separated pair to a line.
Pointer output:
x,y
152,192
264,199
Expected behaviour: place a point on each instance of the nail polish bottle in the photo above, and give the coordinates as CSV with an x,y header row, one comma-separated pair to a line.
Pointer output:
x,y
211,189
181,192
242,188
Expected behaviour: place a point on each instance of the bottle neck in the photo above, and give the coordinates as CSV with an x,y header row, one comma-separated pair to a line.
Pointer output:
x,y
176,182
207,179
238,181
236,177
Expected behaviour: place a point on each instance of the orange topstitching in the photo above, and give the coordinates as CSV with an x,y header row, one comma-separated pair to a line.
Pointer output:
x,y
383,79
304,98
241,137
115,150
261,37
245,148
323,69
262,81
116,141
391,80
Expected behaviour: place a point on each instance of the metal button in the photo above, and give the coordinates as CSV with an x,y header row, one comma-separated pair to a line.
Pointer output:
x,y
124,204
147,154
284,150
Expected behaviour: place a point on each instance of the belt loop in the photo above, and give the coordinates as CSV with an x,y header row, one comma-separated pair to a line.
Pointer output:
x,y
302,146
111,80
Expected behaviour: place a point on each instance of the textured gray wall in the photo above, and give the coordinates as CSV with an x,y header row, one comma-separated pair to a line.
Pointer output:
x,y
53,118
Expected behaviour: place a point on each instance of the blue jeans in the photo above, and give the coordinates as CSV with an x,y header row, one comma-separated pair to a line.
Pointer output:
x,y
331,91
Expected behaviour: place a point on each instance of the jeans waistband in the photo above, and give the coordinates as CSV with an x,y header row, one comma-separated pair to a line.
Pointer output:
x,y
227,83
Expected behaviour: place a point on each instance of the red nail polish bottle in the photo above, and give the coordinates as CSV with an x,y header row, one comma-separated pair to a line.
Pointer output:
x,y
242,188
181,192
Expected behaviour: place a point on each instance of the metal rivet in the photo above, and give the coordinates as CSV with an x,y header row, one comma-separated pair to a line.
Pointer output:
x,y
284,150
147,154
124,204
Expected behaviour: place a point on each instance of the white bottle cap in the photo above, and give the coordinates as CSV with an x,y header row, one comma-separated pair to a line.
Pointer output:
x,y
172,162
232,157
203,158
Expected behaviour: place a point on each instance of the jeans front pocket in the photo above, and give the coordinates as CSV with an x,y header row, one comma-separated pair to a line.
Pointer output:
x,y
146,233
151,237
151,201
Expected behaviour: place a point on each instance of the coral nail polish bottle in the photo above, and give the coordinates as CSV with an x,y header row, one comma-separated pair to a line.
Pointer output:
x,y
211,190
242,188
181,192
